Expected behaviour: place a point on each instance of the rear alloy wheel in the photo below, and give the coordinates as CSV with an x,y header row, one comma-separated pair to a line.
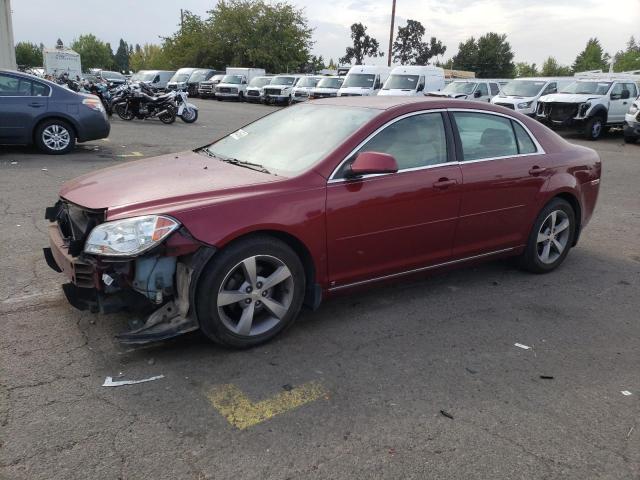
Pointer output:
x,y
250,292
169,116
551,237
594,128
55,137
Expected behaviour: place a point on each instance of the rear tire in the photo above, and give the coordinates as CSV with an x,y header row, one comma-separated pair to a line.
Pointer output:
x,y
124,113
168,117
55,137
236,306
551,237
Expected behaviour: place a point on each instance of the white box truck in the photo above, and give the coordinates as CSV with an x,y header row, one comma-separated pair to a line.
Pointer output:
x,y
364,80
413,80
234,83
58,61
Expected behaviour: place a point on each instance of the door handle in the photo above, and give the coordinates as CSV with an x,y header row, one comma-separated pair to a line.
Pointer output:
x,y
36,104
536,170
444,183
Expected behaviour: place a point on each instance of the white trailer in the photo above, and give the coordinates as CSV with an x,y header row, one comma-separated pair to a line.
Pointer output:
x,y
58,61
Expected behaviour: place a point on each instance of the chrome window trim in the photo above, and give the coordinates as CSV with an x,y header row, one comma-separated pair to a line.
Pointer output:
x,y
421,269
540,150
332,178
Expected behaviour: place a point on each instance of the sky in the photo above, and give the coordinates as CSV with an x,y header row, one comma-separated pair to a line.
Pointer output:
x,y
535,28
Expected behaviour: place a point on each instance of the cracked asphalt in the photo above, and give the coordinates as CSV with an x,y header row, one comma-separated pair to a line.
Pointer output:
x,y
389,358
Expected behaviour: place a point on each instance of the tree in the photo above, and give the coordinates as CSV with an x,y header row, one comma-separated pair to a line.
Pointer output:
x,y
524,69
148,57
593,57
332,65
551,68
93,52
112,59
363,46
189,45
624,60
28,54
59,43
408,47
489,57
122,56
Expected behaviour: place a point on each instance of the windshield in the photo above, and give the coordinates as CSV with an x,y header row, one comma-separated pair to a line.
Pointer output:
x,y
523,88
590,88
363,80
330,83
143,77
260,81
401,82
283,80
460,87
199,75
112,75
261,141
235,79
308,82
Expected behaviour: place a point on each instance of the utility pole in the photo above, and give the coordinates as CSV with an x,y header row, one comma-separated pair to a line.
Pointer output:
x,y
181,21
393,19
7,48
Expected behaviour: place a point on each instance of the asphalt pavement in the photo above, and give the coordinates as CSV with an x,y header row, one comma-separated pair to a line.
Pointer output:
x,y
419,380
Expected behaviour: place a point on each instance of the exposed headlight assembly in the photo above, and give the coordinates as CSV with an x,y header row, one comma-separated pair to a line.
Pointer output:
x,y
525,105
129,237
633,109
584,108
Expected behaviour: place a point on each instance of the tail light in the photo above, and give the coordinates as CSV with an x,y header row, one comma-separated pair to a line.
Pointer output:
x,y
93,104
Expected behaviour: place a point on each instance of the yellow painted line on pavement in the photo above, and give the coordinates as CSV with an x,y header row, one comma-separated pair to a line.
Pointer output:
x,y
132,154
242,413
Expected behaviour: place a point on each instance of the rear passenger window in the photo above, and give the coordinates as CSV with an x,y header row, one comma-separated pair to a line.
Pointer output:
x,y
485,136
40,90
525,144
14,87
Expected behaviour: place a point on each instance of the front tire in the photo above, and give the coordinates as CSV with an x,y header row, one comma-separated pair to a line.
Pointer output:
x,y
125,112
250,292
551,237
594,128
55,137
189,115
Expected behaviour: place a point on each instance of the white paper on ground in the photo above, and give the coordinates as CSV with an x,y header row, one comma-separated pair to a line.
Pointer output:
x,y
519,345
108,382
625,392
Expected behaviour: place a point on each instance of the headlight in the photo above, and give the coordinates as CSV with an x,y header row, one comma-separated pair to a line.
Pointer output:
x,y
130,236
525,105
633,109
584,108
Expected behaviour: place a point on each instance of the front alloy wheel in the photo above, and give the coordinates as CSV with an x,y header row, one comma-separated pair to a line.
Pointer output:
x,y
250,291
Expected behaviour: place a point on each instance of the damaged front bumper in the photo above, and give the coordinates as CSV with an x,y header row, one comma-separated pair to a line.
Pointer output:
x,y
159,283
562,115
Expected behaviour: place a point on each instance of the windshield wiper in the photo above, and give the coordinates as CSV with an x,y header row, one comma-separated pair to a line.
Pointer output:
x,y
240,163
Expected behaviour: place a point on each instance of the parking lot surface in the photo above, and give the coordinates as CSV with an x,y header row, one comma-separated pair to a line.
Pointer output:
x,y
417,380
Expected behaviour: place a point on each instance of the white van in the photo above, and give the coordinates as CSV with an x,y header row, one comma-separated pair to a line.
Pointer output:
x,y
410,81
156,79
522,94
364,80
480,90
280,90
234,83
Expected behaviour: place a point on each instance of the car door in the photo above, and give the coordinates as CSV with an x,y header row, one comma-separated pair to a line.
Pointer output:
x,y
482,92
385,224
619,103
495,90
22,101
503,171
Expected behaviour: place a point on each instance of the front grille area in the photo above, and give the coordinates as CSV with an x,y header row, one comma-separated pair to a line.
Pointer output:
x,y
253,93
350,95
74,223
206,87
302,94
507,105
227,90
272,91
323,95
558,112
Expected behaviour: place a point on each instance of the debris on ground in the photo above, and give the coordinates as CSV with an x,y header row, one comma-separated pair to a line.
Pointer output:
x,y
45,170
444,413
626,393
109,382
524,347
547,377
151,361
287,387
629,432
471,370
14,163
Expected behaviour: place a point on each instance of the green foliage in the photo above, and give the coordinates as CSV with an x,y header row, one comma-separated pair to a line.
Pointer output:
x,y
28,54
551,68
242,33
490,56
121,57
524,69
408,47
148,57
625,60
93,52
593,57
363,46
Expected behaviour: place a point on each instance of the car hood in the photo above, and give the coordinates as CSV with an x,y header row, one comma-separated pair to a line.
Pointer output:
x,y
568,98
447,95
324,90
234,85
398,92
512,99
161,184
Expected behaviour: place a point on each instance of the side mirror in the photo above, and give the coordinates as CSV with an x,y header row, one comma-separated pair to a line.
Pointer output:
x,y
625,94
367,163
477,94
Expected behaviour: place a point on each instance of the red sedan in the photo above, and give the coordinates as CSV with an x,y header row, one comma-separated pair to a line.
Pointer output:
x,y
312,200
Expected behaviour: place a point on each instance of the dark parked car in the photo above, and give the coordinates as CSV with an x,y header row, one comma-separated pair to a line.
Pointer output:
x,y
200,75
115,78
36,111
235,237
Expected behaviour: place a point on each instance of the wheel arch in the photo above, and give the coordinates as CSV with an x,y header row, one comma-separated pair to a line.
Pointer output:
x,y
600,111
572,200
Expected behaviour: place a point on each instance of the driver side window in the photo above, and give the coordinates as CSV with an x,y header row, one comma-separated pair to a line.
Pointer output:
x,y
482,88
415,141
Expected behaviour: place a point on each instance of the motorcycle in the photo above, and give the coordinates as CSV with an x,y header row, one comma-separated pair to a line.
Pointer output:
x,y
102,92
187,112
134,102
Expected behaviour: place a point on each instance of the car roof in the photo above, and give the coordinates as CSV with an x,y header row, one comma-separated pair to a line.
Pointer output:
x,y
391,102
